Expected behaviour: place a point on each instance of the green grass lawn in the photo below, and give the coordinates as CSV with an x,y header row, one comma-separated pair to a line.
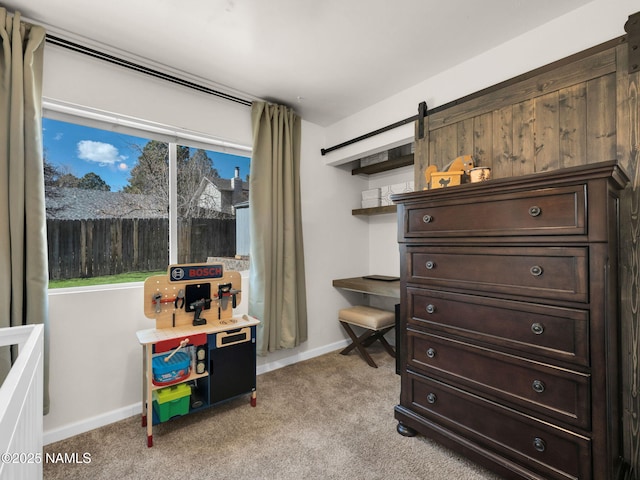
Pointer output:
x,y
104,280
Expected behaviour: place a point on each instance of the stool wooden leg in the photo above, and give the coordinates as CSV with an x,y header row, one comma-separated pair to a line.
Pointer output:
x,y
357,342
352,335
384,342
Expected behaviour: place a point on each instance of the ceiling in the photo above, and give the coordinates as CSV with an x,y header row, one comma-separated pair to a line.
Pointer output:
x,y
326,58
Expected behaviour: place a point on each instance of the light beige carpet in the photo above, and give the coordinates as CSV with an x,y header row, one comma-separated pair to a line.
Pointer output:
x,y
330,417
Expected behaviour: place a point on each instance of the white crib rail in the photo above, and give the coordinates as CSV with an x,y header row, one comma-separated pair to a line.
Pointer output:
x,y
21,406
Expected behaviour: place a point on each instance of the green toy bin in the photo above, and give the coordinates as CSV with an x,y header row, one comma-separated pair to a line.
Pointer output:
x,y
171,401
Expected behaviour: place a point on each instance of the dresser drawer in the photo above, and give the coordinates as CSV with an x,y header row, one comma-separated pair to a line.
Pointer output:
x,y
539,272
553,453
549,211
558,393
553,332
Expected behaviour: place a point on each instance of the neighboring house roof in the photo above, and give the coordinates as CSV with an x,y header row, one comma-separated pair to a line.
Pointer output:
x,y
222,184
79,204
225,184
231,191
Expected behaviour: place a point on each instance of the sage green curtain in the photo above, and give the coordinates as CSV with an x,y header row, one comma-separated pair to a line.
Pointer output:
x,y
277,277
23,239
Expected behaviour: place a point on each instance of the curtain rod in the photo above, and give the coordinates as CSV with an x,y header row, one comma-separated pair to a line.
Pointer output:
x,y
422,112
139,68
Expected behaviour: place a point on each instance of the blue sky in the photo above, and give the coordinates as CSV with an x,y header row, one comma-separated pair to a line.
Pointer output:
x,y
78,150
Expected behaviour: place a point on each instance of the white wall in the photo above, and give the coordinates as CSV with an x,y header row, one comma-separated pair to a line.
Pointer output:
x,y
95,358
82,80
593,24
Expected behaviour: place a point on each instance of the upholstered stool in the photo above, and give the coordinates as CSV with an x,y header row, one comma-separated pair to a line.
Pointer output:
x,y
376,323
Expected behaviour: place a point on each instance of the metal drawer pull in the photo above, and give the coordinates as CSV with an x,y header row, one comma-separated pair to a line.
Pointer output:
x,y
535,211
430,265
539,444
431,352
430,308
431,398
536,270
427,219
537,328
537,386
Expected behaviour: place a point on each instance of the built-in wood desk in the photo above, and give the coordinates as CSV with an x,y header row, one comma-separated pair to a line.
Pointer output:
x,y
383,288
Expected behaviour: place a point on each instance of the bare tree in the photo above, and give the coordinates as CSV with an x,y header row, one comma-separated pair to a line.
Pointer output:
x,y
151,176
51,189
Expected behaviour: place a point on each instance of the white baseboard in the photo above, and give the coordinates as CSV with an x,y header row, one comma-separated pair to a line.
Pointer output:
x,y
71,430
301,356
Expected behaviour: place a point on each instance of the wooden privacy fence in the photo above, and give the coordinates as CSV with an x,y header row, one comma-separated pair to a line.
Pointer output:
x,y
95,247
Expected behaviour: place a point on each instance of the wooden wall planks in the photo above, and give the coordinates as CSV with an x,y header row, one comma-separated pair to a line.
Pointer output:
x,y
546,140
572,103
585,110
503,142
557,128
523,150
628,151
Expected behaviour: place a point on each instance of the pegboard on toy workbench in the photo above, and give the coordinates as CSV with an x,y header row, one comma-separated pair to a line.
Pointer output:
x,y
192,294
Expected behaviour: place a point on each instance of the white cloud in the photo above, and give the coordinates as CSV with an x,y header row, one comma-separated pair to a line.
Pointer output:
x,y
58,136
99,152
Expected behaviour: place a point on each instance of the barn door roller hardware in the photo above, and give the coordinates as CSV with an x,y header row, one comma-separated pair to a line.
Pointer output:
x,y
422,112
632,27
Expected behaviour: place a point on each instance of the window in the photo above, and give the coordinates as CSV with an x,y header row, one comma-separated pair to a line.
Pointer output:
x,y
121,207
209,187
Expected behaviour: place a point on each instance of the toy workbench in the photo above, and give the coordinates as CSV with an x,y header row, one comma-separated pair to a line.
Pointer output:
x,y
199,354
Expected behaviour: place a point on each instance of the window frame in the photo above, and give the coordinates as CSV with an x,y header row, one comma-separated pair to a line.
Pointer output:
x,y
173,136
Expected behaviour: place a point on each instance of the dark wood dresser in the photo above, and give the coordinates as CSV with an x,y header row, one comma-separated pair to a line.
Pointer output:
x,y
509,323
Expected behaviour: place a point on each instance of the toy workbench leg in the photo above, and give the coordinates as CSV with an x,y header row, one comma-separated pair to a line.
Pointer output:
x,y
144,386
148,401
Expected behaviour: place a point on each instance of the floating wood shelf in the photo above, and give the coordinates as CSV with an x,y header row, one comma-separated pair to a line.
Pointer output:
x,y
403,161
374,210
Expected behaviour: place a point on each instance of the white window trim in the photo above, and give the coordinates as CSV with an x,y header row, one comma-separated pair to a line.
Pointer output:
x,y
173,203
67,112
91,117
